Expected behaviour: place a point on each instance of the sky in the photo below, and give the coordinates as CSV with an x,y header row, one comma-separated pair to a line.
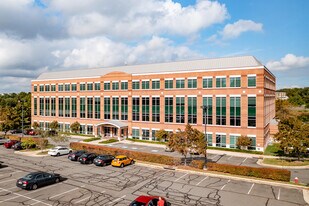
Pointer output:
x,y
39,36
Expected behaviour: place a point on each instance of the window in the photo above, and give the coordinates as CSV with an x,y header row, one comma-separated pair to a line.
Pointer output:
x,y
207,102
253,143
192,83
97,86
67,106
89,107
153,134
145,134
180,109
135,109
235,111
220,82
47,88
42,88
107,108
192,110
47,106
145,109
124,85
89,86
42,106
234,81
251,111
220,140
73,87
115,107
155,84
233,141
221,111
82,129
41,125
82,87
60,87
60,107
107,85
53,106
124,108
89,129
168,109
35,88
53,87
135,133
135,85
209,139
67,87
74,107
156,109
207,82
251,81
145,84
168,84
115,85
97,107
180,83
35,106
82,108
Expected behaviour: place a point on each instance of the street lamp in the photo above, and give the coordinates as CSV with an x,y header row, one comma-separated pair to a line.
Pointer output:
x,y
205,109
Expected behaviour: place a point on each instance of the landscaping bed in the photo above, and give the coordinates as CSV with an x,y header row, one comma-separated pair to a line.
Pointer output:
x,y
285,162
109,141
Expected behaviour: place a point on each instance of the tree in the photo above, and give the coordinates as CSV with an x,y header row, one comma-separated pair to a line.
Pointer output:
x,y
162,135
75,127
283,109
243,142
35,125
54,125
200,141
293,136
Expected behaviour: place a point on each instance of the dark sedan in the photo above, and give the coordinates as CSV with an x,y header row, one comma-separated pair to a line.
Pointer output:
x,y
103,160
17,146
87,158
34,180
75,155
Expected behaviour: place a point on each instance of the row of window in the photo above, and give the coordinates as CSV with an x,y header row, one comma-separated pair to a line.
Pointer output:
x,y
65,127
117,109
235,81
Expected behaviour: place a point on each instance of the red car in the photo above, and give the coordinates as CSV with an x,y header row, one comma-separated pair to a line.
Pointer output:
x,y
10,143
148,201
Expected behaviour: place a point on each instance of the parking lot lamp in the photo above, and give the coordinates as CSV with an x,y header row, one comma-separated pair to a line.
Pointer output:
x,y
205,108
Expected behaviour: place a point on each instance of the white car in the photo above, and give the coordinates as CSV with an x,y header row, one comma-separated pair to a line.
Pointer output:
x,y
57,151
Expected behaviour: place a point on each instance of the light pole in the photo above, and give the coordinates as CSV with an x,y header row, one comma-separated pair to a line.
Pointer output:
x,y
205,108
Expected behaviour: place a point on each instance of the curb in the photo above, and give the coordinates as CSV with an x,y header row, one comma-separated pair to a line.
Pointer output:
x,y
260,162
228,176
306,195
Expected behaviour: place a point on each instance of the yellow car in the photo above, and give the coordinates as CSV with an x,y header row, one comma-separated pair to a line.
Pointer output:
x,y
122,160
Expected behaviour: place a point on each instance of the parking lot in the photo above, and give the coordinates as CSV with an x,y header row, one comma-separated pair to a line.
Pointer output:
x,y
91,185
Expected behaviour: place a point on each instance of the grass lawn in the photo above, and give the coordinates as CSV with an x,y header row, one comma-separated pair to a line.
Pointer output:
x,y
274,150
285,162
91,139
42,153
108,141
146,141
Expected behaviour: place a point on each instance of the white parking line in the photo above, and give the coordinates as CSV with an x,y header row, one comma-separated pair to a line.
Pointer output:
x,y
201,181
19,195
65,192
225,185
181,177
244,160
117,199
250,188
134,148
11,173
85,198
214,156
154,150
8,180
230,157
279,194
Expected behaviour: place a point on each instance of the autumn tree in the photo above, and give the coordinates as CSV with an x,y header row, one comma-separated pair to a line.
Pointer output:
x,y
243,142
162,135
200,142
54,125
293,136
75,127
283,109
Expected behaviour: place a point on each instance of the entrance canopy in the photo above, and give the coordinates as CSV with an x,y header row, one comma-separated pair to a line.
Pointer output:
x,y
114,123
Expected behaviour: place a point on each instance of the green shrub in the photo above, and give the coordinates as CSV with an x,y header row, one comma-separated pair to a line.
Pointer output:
x,y
28,143
109,141
266,173
92,139
142,156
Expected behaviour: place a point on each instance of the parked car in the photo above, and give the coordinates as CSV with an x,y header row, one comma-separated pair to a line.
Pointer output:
x,y
52,132
75,155
59,150
87,158
103,160
121,161
3,140
168,149
15,131
10,143
148,201
29,132
17,146
34,180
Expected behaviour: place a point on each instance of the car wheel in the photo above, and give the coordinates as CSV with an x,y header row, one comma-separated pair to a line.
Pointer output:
x,y
121,165
57,180
34,187
70,152
58,154
104,164
132,162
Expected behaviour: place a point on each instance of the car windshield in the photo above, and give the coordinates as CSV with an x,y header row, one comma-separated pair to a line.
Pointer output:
x,y
84,155
135,203
28,177
102,157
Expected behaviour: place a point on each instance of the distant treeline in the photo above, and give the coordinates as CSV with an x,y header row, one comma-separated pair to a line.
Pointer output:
x,y
297,96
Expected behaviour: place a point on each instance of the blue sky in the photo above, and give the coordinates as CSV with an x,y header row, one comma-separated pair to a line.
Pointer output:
x,y
49,35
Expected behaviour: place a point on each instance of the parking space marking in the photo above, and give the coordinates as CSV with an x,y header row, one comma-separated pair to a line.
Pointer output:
x,y
85,198
244,160
134,148
225,185
19,195
8,180
65,192
250,189
154,150
230,157
201,181
181,177
116,200
11,173
279,194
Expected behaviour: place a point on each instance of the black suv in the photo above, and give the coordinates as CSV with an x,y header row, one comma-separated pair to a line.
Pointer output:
x,y
103,160
87,158
75,155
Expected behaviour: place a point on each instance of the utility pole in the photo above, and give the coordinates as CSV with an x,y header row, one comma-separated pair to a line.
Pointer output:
x,y
205,108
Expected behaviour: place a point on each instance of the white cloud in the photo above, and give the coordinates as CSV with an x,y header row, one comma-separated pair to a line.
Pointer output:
x,y
289,61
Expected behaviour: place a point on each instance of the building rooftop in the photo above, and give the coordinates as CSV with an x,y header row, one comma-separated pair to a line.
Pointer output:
x,y
178,66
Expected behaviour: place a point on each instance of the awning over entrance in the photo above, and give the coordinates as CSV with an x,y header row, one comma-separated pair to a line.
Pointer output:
x,y
115,123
